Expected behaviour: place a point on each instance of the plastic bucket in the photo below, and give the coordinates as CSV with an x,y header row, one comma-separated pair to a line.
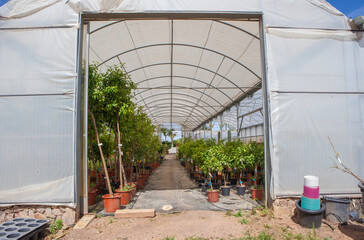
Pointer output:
x,y
337,209
312,204
311,181
361,186
308,218
311,192
203,188
241,190
225,191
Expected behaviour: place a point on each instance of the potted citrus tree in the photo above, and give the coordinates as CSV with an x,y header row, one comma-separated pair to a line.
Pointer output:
x,y
212,163
255,159
239,164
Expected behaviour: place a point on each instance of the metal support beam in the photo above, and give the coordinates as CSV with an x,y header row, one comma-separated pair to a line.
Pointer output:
x,y
245,95
249,113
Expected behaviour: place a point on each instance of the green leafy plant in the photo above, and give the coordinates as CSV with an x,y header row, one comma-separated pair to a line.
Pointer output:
x,y
238,214
55,226
244,221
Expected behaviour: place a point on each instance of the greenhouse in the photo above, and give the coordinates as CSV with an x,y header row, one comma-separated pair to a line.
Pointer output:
x,y
286,73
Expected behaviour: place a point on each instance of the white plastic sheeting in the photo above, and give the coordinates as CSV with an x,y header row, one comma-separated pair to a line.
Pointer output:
x,y
314,84
316,93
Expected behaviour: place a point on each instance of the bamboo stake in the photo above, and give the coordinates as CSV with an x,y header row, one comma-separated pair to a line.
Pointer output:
x,y
102,155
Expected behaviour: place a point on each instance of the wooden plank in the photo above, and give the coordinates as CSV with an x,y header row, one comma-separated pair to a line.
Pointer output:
x,y
85,220
135,213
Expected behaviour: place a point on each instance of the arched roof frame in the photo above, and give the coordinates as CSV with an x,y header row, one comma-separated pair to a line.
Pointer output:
x,y
182,87
181,94
224,100
183,45
184,106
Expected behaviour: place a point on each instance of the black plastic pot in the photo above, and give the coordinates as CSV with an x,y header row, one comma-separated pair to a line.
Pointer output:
x,y
310,218
225,191
361,186
233,182
337,209
241,190
203,187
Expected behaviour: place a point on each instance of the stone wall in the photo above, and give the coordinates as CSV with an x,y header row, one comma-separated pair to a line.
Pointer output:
x,y
67,214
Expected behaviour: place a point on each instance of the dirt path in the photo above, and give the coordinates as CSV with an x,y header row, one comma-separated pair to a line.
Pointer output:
x,y
211,225
170,175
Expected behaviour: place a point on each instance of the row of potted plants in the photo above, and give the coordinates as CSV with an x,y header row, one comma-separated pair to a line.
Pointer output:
x,y
211,161
121,140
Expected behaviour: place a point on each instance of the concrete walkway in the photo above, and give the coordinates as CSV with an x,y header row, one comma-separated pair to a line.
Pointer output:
x,y
170,185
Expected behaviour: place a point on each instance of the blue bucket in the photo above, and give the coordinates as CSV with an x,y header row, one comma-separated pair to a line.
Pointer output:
x,y
312,204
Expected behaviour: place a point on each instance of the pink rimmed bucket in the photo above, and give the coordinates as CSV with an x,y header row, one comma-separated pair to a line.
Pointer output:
x,y
311,192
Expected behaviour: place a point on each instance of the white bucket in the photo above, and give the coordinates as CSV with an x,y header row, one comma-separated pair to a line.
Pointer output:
x,y
311,181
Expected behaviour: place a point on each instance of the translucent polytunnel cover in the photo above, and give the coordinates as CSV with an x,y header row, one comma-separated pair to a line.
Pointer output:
x,y
187,71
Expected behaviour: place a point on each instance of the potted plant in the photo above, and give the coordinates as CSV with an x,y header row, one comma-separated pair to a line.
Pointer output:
x,y
212,163
124,194
239,164
255,159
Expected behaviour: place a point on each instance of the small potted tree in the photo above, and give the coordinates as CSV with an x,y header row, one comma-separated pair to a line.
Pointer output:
x,y
255,159
239,163
212,163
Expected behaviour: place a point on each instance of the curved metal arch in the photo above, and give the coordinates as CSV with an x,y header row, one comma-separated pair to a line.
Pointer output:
x,y
238,28
218,21
163,99
182,94
189,65
178,104
199,111
106,25
204,94
184,45
193,123
180,111
193,79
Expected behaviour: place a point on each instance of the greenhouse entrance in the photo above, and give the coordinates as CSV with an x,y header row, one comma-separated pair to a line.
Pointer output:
x,y
202,71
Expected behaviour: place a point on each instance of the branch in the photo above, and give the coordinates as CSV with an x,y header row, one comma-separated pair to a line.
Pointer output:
x,y
343,168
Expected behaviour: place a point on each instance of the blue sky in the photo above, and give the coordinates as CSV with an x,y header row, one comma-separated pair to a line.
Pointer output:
x,y
351,8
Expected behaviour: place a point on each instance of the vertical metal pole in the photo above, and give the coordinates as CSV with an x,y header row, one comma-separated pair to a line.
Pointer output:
x,y
85,120
237,121
266,123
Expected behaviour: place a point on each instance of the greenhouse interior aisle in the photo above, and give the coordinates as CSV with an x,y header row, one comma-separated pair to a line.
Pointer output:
x,y
170,189
170,176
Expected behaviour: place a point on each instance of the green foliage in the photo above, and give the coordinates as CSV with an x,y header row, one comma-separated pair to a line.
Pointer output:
x,y
238,214
244,221
111,101
55,226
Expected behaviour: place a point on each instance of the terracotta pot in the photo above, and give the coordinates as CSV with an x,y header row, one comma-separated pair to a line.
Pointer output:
x,y
111,204
213,195
140,184
92,194
133,186
128,172
124,196
257,194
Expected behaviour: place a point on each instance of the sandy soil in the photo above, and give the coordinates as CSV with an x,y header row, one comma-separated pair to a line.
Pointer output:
x,y
210,225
